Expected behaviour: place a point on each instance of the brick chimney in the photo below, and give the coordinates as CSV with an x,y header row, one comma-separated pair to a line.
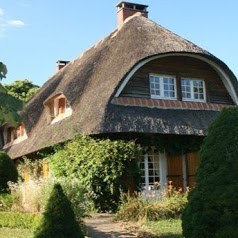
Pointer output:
x,y
60,64
127,9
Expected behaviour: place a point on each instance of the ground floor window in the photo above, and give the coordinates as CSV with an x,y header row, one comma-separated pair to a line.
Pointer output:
x,y
153,170
150,170
157,169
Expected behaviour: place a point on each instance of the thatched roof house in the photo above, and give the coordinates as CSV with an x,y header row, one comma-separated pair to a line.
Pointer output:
x,y
142,78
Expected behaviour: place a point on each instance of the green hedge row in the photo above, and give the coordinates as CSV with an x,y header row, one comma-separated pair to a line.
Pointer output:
x,y
19,220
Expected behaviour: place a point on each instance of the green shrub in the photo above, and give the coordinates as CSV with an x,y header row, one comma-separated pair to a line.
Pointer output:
x,y
19,220
6,202
58,218
106,168
8,172
212,209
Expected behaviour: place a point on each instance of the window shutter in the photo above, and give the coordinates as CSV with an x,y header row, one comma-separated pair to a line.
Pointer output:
x,y
26,175
21,129
9,134
62,105
45,169
51,108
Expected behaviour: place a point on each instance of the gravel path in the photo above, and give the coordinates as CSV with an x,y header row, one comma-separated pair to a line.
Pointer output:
x,y
103,226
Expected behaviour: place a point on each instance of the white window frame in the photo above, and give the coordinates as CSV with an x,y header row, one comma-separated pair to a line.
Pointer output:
x,y
191,85
161,84
161,162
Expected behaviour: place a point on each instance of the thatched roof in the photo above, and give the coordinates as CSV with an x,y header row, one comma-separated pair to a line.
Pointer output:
x,y
90,81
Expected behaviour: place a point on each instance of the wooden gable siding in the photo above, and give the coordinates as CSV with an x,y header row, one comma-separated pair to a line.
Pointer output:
x,y
178,66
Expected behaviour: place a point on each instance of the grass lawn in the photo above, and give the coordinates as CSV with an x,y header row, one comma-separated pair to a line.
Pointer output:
x,y
16,233
162,229
165,228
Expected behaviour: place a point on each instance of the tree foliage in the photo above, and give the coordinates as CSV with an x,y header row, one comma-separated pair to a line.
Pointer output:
x,y
105,167
58,219
8,172
22,89
9,105
212,209
3,71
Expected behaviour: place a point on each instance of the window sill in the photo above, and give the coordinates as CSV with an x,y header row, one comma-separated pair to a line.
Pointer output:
x,y
161,98
194,100
60,117
16,141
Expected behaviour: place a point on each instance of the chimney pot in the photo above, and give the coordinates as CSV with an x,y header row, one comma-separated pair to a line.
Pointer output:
x,y
127,9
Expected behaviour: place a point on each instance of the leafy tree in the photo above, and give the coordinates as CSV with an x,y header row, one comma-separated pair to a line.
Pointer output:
x,y
212,210
58,219
106,168
8,172
3,71
22,89
9,105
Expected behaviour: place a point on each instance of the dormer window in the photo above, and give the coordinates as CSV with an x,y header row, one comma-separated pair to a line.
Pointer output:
x,y
13,135
162,86
193,90
59,108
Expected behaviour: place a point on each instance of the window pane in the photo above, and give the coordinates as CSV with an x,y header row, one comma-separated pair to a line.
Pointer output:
x,y
157,86
172,94
169,88
166,80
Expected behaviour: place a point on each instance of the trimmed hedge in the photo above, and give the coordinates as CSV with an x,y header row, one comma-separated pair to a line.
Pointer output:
x,y
58,219
19,220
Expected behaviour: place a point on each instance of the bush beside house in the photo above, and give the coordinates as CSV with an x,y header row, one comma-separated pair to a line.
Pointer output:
x,y
212,210
8,172
105,167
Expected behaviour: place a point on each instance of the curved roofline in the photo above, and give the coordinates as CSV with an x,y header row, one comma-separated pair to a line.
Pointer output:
x,y
224,76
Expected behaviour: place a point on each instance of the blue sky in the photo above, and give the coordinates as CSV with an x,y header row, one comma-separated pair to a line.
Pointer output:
x,y
35,34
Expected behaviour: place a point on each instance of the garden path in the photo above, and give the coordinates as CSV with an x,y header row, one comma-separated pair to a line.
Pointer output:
x,y
103,226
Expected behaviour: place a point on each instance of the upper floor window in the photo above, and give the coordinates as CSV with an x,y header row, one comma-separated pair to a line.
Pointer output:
x,y
14,135
162,86
193,90
59,108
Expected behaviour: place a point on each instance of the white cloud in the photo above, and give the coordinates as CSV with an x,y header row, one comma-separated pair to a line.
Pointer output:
x,y
1,12
17,23
6,23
